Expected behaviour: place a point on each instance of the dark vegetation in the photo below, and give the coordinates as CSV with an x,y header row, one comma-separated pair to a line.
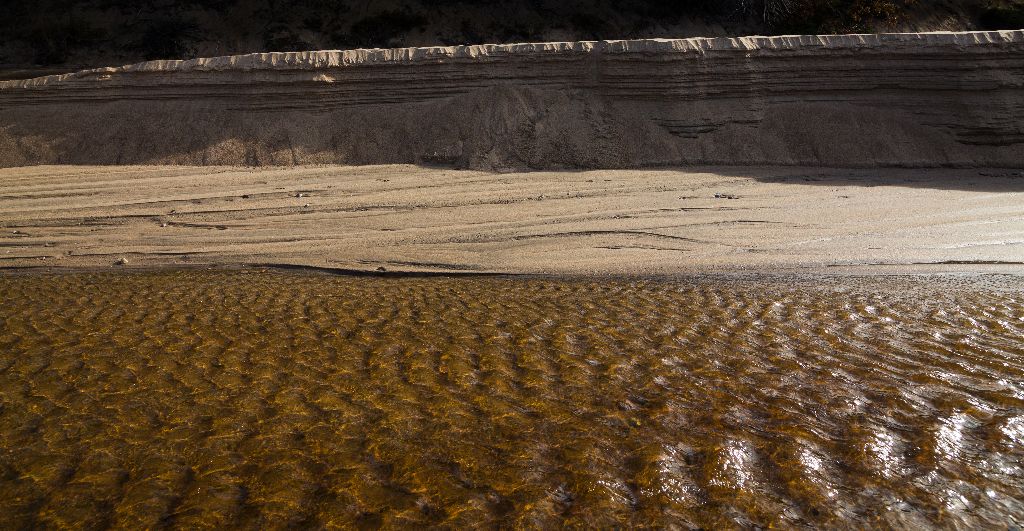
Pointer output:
x,y
1009,16
101,32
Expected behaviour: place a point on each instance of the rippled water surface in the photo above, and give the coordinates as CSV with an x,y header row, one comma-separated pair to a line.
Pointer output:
x,y
196,398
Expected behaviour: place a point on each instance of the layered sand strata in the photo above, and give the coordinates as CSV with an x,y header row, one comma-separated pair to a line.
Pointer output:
x,y
933,99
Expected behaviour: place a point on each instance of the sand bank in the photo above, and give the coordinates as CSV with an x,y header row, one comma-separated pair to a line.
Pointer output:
x,y
930,99
409,218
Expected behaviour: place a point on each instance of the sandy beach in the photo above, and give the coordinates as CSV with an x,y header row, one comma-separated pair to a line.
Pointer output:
x,y
739,280
449,159
416,219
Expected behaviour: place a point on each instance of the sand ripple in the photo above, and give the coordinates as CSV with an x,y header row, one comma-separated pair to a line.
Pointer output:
x,y
204,399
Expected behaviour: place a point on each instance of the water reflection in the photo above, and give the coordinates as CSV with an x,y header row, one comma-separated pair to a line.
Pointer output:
x,y
247,398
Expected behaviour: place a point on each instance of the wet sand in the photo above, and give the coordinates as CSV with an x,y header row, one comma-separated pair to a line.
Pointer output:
x,y
409,218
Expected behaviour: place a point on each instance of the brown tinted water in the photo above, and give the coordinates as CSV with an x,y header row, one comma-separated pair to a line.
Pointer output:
x,y
268,399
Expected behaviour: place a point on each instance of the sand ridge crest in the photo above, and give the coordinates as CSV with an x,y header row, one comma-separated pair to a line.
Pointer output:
x,y
306,60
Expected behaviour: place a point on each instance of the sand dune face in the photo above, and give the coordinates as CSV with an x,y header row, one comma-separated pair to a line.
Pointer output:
x,y
856,100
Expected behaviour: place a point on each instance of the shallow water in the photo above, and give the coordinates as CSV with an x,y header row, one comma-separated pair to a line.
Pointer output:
x,y
196,398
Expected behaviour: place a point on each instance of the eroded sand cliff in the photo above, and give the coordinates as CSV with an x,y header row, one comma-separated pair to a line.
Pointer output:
x,y
929,99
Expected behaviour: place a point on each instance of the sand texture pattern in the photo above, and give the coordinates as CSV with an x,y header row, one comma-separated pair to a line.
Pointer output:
x,y
413,219
932,99
256,400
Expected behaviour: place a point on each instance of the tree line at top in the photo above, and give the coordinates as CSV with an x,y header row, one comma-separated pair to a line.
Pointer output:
x,y
53,32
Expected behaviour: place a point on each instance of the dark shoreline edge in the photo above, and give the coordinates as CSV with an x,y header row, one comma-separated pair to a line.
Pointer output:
x,y
1007,272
